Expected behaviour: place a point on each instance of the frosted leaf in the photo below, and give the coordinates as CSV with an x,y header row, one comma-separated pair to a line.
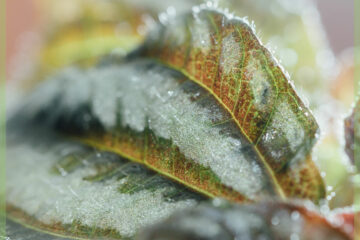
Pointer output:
x,y
211,109
235,134
249,91
229,59
139,98
92,195
247,81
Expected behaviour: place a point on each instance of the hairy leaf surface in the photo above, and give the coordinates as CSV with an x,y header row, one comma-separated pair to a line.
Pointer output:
x,y
217,114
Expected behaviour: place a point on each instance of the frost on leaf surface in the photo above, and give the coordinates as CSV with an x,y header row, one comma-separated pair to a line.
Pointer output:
x,y
244,77
216,114
266,220
70,189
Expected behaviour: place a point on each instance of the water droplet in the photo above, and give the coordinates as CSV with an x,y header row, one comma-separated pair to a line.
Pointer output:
x,y
324,209
275,221
294,236
171,11
196,9
217,202
295,215
163,18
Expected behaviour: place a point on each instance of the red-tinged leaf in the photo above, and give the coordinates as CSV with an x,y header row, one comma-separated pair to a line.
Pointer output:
x,y
220,118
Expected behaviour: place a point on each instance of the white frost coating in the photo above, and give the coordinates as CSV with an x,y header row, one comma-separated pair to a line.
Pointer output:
x,y
52,198
200,32
285,120
175,31
230,54
258,83
153,97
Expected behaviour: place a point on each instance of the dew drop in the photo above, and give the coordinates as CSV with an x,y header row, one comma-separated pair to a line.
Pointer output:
x,y
171,11
294,236
295,215
275,221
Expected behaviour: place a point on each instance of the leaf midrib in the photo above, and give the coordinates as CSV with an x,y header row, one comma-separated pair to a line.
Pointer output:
x,y
269,170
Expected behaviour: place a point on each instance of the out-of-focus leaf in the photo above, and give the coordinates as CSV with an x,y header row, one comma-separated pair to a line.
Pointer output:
x,y
80,32
229,125
352,134
269,221
345,219
342,88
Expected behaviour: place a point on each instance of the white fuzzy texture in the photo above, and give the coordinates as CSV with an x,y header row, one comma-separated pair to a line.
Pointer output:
x,y
153,97
258,83
52,198
200,32
285,121
230,54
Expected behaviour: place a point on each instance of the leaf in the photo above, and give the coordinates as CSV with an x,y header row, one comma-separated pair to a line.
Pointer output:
x,y
224,56
67,189
291,42
222,118
347,217
352,134
267,220
91,30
